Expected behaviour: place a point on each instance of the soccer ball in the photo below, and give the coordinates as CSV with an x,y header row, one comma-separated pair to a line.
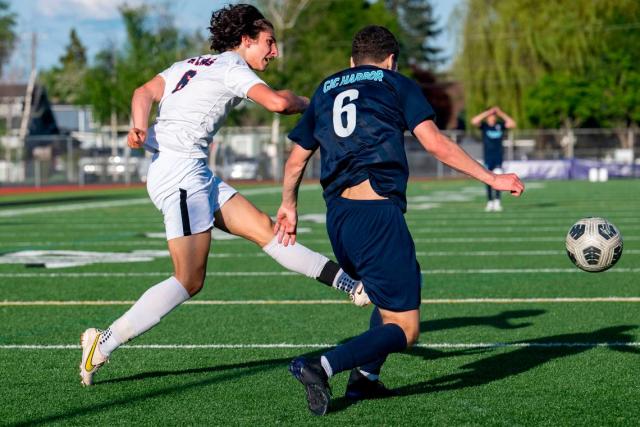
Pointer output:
x,y
594,244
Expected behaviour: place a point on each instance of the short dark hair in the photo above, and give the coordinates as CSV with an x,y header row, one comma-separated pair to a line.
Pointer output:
x,y
374,43
229,24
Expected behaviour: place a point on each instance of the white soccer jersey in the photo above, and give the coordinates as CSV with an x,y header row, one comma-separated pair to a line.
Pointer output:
x,y
199,93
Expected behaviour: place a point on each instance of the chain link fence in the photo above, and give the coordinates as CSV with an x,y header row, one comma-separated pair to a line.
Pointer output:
x,y
254,153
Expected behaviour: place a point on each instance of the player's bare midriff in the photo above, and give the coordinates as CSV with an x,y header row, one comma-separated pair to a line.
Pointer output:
x,y
362,191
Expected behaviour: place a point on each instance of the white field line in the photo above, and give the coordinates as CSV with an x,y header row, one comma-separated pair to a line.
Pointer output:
x,y
290,273
324,345
560,231
7,213
498,229
432,253
159,243
559,239
6,303
72,207
453,221
420,253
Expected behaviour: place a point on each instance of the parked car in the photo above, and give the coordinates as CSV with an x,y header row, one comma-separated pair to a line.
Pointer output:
x,y
246,168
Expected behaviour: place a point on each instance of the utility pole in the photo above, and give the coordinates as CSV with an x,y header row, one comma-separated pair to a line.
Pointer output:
x,y
26,112
114,116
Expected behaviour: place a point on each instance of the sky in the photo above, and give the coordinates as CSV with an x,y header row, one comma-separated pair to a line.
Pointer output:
x,y
98,25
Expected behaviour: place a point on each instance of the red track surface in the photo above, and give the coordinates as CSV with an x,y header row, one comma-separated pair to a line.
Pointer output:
x,y
53,188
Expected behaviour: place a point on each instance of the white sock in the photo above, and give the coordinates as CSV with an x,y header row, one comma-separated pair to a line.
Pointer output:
x,y
296,258
152,306
369,375
326,366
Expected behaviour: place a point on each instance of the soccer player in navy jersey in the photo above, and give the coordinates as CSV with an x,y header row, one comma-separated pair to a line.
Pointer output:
x,y
357,118
492,123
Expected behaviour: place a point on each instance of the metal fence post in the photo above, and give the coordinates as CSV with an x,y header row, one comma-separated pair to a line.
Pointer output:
x,y
510,145
70,174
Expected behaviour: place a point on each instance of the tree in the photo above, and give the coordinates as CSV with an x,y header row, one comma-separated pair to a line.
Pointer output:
x,y
148,49
509,47
604,91
419,27
66,83
7,33
317,46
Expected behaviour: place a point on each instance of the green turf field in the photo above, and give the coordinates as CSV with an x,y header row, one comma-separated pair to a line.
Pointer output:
x,y
512,332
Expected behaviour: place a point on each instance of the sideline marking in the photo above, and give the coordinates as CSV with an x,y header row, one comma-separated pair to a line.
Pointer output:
x,y
559,240
116,203
319,345
291,273
6,303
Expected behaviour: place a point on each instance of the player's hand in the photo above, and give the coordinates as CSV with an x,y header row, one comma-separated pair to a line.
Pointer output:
x,y
136,138
305,101
508,182
286,225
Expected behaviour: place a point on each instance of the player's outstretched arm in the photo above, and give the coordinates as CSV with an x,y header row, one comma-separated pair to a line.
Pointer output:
x,y
278,101
449,153
287,217
143,99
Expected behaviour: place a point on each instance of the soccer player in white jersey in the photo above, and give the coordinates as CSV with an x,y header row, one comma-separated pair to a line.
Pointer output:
x,y
195,96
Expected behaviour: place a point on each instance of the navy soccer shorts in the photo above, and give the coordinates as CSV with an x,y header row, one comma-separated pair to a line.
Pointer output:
x,y
371,242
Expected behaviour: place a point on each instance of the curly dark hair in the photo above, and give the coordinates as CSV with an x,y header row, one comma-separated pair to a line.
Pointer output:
x,y
374,43
229,24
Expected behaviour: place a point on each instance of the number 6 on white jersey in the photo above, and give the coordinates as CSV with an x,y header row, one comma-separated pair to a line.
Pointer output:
x,y
340,107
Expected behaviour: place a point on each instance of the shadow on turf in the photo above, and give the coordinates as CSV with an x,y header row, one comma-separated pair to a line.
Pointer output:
x,y
47,200
504,365
262,364
247,368
499,321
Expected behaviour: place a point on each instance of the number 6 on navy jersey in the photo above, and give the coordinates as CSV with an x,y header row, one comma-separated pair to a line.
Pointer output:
x,y
339,107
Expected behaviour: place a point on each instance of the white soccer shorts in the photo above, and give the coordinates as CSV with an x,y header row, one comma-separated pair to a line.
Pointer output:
x,y
187,193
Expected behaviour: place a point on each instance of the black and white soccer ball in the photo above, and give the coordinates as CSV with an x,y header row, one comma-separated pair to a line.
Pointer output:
x,y
594,244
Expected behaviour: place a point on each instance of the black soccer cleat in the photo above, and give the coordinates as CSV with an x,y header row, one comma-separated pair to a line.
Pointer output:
x,y
316,383
360,387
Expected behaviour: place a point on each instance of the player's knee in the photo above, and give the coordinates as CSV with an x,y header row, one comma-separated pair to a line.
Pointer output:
x,y
264,231
192,280
266,222
411,331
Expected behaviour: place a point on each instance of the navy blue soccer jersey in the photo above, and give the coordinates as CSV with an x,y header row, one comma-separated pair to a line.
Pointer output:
x,y
358,118
492,142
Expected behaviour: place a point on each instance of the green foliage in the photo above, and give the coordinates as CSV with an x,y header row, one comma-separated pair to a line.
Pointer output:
x,y
66,83
320,43
418,28
545,62
148,50
7,33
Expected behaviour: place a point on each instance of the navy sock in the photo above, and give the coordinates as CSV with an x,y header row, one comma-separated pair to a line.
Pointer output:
x,y
375,366
489,193
372,345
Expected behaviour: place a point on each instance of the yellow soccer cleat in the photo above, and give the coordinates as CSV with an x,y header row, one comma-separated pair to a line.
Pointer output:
x,y
92,359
